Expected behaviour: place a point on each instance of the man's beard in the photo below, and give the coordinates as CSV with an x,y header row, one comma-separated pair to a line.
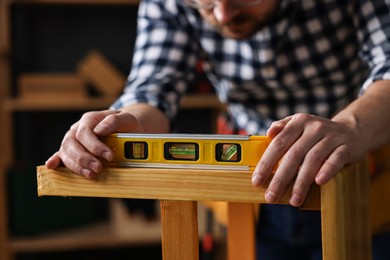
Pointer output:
x,y
242,27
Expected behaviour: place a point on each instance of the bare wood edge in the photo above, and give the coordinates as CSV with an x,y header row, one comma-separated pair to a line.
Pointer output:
x,y
162,184
179,219
345,214
241,228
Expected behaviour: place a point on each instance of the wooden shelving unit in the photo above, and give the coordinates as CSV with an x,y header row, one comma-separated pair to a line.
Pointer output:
x,y
4,92
77,2
97,235
196,101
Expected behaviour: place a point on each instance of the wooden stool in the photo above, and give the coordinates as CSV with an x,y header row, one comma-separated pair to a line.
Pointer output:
x,y
343,202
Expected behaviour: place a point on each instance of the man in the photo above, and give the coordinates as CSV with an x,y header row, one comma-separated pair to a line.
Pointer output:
x,y
288,69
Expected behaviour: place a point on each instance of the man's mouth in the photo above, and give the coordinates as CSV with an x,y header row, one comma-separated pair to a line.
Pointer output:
x,y
235,25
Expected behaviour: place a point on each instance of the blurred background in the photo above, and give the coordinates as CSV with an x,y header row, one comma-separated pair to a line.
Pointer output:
x,y
59,59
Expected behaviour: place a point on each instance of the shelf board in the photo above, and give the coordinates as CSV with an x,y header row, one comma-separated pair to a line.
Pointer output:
x,y
19,104
99,235
77,2
25,105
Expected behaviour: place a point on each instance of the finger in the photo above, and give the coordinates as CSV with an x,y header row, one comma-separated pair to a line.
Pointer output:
x,y
53,162
77,168
307,172
336,161
291,165
88,138
274,152
118,122
81,161
277,126
90,120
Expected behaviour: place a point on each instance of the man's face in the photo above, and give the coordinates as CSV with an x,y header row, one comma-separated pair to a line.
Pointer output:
x,y
239,23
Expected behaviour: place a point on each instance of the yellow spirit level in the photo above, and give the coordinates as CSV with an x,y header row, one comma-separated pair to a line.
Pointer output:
x,y
222,152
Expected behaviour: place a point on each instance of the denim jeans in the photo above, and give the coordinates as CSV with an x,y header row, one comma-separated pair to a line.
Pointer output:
x,y
284,232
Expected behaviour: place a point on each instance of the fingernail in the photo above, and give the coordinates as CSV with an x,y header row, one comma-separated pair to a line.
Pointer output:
x,y
107,156
86,173
99,128
270,196
94,166
295,200
256,179
320,179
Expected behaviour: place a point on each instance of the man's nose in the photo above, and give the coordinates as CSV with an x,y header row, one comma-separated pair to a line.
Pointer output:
x,y
224,11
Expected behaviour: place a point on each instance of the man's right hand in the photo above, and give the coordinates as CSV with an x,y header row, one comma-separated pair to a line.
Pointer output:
x,y
81,149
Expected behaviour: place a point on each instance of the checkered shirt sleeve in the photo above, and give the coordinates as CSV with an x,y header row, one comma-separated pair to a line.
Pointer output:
x,y
313,57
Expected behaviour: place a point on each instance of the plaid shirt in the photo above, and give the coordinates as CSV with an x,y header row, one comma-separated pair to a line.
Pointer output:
x,y
314,57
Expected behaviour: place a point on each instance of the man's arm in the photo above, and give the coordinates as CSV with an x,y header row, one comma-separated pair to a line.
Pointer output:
x,y
315,149
162,67
370,116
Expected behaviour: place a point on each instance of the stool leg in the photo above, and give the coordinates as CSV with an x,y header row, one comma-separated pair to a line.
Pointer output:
x,y
241,231
345,212
179,230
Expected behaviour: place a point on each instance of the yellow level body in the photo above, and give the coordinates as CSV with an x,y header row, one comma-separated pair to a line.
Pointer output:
x,y
230,152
